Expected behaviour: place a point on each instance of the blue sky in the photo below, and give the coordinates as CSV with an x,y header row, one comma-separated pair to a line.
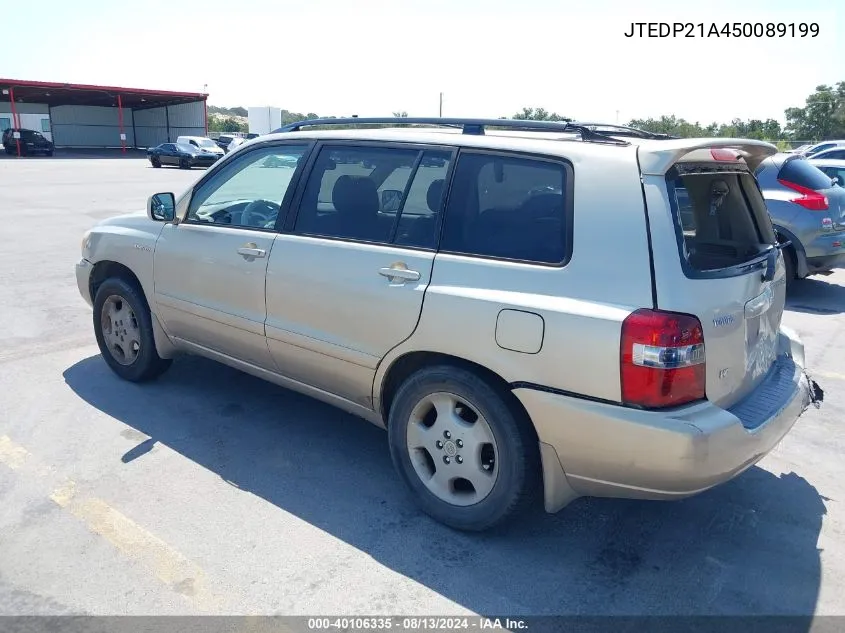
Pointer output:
x,y
489,58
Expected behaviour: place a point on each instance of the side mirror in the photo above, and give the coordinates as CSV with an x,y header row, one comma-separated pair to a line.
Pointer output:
x,y
391,200
161,207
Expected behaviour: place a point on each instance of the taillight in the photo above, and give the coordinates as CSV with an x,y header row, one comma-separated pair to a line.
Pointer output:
x,y
719,153
662,356
810,198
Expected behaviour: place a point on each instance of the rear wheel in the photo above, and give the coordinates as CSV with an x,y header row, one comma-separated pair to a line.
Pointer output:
x,y
124,331
184,164
468,458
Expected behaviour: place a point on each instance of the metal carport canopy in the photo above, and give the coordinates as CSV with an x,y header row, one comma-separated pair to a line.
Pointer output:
x,y
55,94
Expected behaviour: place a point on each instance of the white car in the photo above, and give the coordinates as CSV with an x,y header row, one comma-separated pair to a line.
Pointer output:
x,y
203,143
833,167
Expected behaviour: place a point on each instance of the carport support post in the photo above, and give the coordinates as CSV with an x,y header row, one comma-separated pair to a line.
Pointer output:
x,y
16,122
120,124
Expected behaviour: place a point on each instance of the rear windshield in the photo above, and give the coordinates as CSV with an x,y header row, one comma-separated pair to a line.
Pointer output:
x,y
721,218
800,172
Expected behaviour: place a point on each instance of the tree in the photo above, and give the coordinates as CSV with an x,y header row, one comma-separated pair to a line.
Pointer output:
x,y
231,125
538,114
822,117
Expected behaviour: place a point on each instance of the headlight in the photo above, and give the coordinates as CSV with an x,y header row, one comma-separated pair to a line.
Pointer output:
x,y
86,242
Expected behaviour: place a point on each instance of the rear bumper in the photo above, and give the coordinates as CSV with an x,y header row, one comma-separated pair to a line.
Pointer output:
x,y
598,449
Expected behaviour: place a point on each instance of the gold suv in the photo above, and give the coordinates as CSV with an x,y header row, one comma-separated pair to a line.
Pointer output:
x,y
526,307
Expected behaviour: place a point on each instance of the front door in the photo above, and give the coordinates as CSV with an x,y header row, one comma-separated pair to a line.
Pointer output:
x,y
210,269
345,283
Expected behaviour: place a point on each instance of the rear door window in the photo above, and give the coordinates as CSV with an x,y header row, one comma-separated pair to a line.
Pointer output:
x,y
721,217
800,172
509,207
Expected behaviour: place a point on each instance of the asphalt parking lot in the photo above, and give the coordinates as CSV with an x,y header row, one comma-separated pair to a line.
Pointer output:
x,y
212,492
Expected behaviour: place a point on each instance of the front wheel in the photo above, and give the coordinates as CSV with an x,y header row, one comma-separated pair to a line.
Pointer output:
x,y
124,331
465,453
155,162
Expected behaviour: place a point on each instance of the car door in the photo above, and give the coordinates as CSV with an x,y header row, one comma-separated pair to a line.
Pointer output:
x,y
168,154
346,279
210,267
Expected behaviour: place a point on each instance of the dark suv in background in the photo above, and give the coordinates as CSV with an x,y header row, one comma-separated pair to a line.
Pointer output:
x,y
808,211
31,142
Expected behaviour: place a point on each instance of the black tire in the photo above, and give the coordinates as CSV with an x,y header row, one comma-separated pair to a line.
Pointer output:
x,y
148,365
184,164
155,162
50,153
518,478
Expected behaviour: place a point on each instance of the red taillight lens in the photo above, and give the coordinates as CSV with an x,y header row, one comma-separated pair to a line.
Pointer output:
x,y
810,198
662,357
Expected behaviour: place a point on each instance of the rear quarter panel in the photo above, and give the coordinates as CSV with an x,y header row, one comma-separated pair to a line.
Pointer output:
x,y
582,304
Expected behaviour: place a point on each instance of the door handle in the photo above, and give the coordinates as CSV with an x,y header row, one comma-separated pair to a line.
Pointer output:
x,y
399,274
251,250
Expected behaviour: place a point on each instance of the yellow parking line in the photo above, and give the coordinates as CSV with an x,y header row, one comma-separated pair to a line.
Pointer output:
x,y
130,539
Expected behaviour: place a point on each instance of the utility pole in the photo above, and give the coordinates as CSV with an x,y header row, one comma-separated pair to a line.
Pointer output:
x,y
441,104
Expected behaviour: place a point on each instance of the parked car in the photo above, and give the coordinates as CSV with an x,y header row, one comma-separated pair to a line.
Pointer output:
x,y
798,150
808,211
181,155
832,167
31,142
223,141
831,153
814,151
462,295
202,143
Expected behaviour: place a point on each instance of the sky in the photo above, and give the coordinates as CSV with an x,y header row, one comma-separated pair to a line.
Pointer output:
x,y
489,58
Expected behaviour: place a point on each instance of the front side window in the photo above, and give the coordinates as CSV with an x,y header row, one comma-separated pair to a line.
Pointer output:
x,y
246,193
374,194
508,207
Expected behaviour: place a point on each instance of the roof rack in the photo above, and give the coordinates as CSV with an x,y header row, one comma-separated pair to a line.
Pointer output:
x,y
624,130
467,126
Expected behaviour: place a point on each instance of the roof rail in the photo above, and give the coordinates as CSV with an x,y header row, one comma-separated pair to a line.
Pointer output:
x,y
624,130
467,126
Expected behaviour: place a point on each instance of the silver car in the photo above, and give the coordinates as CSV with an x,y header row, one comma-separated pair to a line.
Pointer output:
x,y
808,213
547,309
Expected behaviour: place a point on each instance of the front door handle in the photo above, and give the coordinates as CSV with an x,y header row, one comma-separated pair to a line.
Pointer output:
x,y
399,274
251,250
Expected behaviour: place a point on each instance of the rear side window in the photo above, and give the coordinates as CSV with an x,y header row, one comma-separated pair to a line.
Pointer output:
x,y
721,217
509,207
798,171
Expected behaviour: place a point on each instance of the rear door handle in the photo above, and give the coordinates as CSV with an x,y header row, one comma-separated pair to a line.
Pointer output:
x,y
399,274
251,250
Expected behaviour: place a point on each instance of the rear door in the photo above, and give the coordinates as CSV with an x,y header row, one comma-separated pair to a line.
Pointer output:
x,y
713,243
346,280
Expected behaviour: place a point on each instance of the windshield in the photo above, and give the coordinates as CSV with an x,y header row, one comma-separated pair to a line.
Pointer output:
x,y
206,142
184,147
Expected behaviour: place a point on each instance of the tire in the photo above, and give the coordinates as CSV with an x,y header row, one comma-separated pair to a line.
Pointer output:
x,y
155,162
50,153
184,164
133,321
515,466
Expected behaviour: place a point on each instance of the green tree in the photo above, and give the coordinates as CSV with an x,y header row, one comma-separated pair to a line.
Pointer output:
x,y
538,114
231,125
822,117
